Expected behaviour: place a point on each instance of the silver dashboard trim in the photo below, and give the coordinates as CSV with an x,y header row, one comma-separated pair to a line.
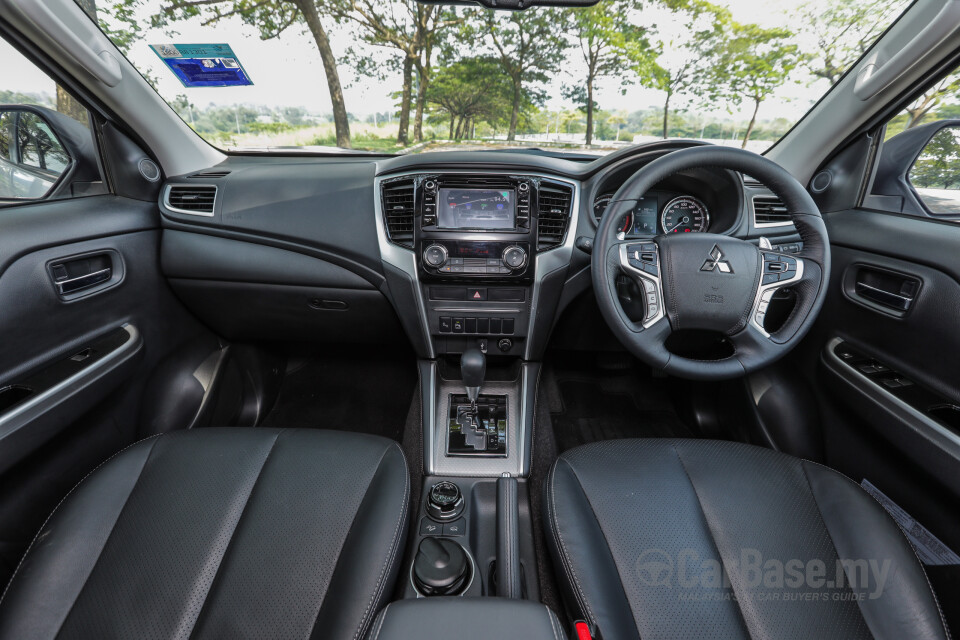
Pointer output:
x,y
399,257
546,262
434,443
765,225
165,199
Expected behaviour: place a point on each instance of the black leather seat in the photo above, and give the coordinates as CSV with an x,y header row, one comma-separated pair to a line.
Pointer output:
x,y
703,539
219,533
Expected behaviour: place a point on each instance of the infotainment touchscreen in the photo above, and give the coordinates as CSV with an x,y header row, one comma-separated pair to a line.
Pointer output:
x,y
480,209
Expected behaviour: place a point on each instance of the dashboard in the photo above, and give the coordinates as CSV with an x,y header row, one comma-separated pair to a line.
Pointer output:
x,y
450,249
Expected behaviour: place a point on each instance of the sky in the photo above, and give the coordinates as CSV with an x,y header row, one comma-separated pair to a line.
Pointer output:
x,y
287,71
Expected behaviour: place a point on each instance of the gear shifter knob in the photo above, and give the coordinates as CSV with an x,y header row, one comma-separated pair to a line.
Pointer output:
x,y
473,367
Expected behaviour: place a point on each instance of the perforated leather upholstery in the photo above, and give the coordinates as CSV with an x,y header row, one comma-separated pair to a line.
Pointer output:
x,y
219,533
704,539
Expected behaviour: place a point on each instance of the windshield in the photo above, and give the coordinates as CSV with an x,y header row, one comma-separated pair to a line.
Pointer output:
x,y
397,76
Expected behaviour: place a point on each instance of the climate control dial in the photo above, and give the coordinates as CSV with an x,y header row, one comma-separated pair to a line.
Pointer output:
x,y
514,257
435,256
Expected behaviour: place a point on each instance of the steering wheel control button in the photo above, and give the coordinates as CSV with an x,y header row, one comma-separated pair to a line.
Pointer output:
x,y
643,256
445,501
435,255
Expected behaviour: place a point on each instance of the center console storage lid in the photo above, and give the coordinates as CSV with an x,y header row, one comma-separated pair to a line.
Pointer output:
x,y
466,619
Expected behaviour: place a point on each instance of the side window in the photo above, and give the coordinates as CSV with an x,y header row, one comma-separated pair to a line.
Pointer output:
x,y
919,162
43,134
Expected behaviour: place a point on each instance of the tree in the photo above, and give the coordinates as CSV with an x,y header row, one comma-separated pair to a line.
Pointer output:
x,y
931,98
412,29
609,44
681,65
271,17
938,166
751,63
529,46
454,92
66,104
841,31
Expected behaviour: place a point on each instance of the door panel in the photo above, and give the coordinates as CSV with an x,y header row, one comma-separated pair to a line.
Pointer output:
x,y
882,396
77,359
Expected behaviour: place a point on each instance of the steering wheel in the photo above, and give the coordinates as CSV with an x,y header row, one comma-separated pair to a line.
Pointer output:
x,y
708,281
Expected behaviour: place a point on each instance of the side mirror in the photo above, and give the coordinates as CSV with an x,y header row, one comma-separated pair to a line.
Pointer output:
x,y
43,154
921,166
935,175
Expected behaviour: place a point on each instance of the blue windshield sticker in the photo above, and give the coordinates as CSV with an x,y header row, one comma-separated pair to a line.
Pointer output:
x,y
203,65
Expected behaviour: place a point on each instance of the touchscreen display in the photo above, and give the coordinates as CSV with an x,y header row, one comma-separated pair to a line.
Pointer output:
x,y
487,209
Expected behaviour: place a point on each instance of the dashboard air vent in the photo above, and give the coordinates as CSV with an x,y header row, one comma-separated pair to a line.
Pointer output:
x,y
398,211
553,215
769,211
196,200
212,173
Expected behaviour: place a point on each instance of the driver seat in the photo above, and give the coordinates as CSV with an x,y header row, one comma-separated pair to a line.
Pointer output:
x,y
708,539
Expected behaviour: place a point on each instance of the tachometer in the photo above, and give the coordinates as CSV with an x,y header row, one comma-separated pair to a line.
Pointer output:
x,y
600,205
685,214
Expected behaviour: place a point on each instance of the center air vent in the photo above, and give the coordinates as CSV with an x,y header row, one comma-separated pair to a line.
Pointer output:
x,y
197,200
398,211
769,211
553,215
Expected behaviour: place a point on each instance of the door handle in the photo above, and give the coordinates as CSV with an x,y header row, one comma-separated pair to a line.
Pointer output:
x,y
79,283
886,288
84,274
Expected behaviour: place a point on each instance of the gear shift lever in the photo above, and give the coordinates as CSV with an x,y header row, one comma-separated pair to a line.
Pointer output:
x,y
473,366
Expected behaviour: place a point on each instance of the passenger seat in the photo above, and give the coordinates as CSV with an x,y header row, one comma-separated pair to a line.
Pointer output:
x,y
219,533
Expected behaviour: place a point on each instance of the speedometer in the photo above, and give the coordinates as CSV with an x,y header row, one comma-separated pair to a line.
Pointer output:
x,y
685,214
600,205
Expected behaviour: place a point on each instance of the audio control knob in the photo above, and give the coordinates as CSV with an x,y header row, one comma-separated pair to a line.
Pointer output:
x,y
523,187
430,185
514,257
435,255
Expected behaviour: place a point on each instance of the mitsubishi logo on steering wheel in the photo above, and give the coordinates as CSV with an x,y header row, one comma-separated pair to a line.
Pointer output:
x,y
716,262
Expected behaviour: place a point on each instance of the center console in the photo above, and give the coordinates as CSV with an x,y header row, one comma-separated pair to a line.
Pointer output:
x,y
476,239
484,254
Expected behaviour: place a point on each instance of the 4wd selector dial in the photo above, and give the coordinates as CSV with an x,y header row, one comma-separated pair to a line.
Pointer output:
x,y
514,257
435,255
445,501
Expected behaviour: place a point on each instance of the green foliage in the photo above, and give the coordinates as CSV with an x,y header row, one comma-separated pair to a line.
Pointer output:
x,y
468,91
16,97
471,69
938,166
841,31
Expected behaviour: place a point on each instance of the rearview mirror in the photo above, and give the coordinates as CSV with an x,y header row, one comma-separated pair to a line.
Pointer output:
x,y
32,158
935,175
